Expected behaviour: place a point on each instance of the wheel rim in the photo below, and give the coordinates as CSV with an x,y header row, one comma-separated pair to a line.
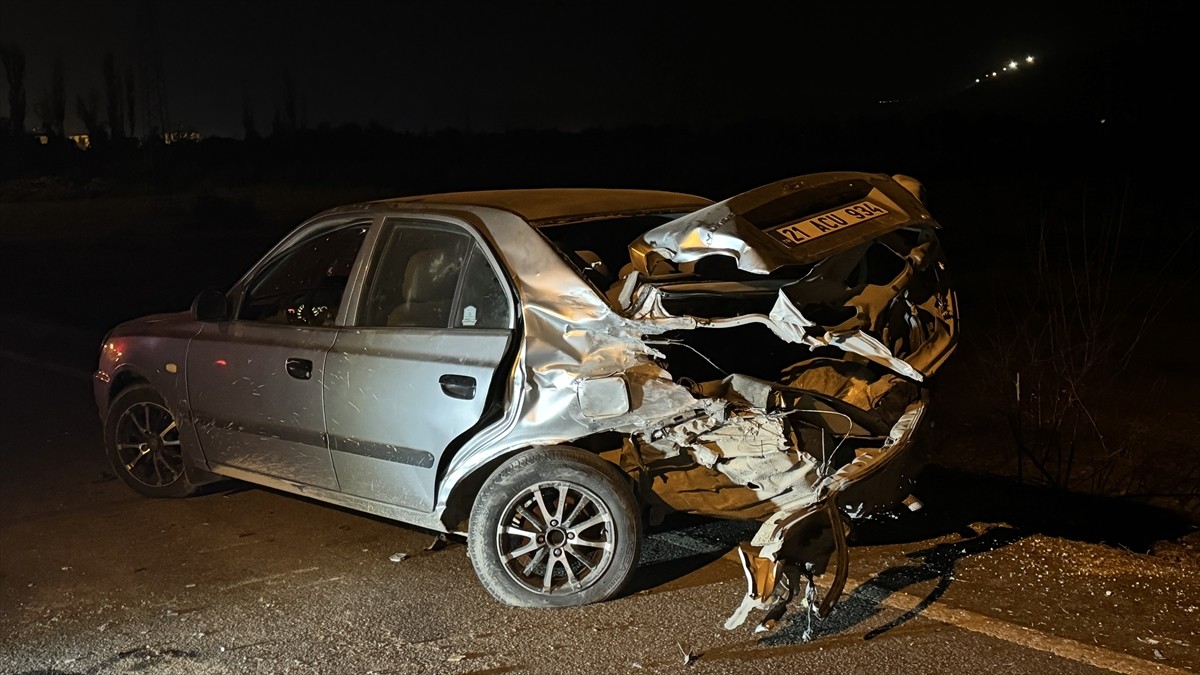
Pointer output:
x,y
556,538
148,445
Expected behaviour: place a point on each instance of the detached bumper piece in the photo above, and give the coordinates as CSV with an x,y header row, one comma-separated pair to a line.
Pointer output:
x,y
799,544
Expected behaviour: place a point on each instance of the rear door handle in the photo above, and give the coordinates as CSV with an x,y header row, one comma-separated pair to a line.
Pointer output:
x,y
301,369
458,386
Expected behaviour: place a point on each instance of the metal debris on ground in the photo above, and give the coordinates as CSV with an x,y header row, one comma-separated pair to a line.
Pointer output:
x,y
397,557
689,656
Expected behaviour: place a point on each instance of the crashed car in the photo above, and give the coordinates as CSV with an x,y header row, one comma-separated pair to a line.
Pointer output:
x,y
547,370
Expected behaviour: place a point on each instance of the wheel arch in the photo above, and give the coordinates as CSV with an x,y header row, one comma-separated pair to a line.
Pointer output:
x,y
456,515
123,380
130,376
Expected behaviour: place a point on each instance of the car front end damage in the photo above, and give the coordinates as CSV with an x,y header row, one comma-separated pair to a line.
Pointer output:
x,y
768,359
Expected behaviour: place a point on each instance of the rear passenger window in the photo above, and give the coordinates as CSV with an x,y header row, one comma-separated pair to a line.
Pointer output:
x,y
432,275
416,278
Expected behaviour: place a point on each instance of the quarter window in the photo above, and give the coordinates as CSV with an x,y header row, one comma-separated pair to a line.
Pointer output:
x,y
483,303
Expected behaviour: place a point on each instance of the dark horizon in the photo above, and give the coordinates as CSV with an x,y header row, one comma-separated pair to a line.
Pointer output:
x,y
550,65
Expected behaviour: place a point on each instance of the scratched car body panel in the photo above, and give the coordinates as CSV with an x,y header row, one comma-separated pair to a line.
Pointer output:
x,y
766,357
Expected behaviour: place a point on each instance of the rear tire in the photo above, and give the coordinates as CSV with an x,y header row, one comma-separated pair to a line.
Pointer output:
x,y
141,440
555,527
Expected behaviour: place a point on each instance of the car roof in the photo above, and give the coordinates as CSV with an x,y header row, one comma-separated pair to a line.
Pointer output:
x,y
549,206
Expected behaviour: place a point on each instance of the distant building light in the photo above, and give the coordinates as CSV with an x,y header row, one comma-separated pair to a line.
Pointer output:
x,y
181,135
1028,59
993,73
977,80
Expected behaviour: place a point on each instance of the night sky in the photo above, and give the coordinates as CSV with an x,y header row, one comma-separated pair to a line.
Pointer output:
x,y
567,65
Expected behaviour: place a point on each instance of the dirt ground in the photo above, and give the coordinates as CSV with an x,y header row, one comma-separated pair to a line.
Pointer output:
x,y
97,580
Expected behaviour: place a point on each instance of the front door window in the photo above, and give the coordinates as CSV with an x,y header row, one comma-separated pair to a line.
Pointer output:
x,y
304,286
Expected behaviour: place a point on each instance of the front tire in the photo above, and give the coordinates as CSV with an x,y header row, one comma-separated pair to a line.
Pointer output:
x,y
141,440
555,527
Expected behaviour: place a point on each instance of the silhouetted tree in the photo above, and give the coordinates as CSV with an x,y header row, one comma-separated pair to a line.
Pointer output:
x,y
58,96
89,113
130,101
152,80
52,108
286,116
112,94
14,67
249,132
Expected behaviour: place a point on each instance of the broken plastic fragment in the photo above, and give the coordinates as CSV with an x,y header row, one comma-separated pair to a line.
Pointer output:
x,y
759,573
689,656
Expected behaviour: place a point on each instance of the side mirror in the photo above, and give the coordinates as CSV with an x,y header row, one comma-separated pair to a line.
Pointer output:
x,y
210,305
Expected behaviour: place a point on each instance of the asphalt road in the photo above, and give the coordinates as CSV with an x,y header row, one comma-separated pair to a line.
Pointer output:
x,y
95,579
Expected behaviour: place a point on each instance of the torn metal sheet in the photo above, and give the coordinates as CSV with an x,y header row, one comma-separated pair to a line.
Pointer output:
x,y
807,452
864,309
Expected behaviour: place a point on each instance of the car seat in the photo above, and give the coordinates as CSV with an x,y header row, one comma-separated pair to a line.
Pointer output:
x,y
430,278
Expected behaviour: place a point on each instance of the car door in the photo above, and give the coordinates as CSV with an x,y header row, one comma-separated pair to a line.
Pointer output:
x,y
413,372
254,383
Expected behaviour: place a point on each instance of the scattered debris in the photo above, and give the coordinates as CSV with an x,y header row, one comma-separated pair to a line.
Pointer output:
x,y
439,542
1159,655
455,658
397,557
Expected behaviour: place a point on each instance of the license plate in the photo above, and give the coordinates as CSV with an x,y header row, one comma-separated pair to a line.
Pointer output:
x,y
808,229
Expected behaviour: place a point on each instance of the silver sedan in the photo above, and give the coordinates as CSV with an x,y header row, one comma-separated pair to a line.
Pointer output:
x,y
547,371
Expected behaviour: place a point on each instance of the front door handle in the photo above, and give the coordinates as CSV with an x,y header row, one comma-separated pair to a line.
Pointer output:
x,y
301,369
458,386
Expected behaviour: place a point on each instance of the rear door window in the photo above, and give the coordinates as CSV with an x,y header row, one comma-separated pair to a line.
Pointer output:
x,y
432,275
